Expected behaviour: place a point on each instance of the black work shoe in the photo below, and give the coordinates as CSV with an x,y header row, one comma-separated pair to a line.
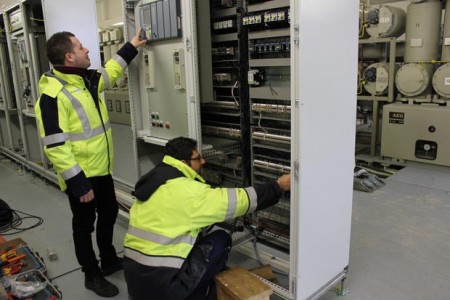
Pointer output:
x,y
117,266
101,286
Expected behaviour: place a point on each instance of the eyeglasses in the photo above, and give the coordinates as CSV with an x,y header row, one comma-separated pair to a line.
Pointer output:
x,y
199,158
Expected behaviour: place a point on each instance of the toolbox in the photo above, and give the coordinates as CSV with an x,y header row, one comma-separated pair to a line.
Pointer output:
x,y
32,260
50,292
21,254
32,270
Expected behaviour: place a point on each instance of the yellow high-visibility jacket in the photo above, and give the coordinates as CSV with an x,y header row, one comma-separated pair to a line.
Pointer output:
x,y
74,123
174,203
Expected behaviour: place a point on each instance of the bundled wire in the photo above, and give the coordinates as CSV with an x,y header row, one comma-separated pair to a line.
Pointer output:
x,y
11,219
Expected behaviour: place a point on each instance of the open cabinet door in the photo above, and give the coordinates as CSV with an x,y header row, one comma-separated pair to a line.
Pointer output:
x,y
324,76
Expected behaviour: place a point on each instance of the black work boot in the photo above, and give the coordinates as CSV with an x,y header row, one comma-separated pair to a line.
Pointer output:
x,y
102,287
110,269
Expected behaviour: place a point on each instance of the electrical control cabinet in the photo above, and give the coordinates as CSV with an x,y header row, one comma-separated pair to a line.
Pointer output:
x,y
7,99
246,79
269,83
227,82
239,76
10,135
423,130
25,45
224,117
163,109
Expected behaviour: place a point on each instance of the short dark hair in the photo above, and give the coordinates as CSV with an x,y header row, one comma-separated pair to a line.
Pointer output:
x,y
58,45
181,148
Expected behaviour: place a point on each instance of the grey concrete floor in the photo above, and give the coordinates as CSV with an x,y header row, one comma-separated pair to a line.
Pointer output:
x,y
30,194
400,242
400,239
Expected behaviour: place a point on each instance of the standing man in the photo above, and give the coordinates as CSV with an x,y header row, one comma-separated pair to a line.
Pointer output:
x,y
76,134
164,256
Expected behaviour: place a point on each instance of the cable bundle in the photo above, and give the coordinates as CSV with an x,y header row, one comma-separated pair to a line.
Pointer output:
x,y
10,219
6,215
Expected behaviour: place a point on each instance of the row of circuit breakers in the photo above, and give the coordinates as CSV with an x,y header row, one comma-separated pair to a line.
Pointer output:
x,y
409,50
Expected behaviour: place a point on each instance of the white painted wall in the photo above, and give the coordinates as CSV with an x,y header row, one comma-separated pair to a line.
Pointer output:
x,y
109,12
78,17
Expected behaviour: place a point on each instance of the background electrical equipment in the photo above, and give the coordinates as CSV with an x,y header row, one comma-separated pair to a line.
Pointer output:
x,y
441,77
25,39
416,133
376,79
413,79
385,21
418,67
10,134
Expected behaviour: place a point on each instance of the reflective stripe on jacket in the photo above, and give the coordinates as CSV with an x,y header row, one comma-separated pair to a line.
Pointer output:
x,y
76,134
164,227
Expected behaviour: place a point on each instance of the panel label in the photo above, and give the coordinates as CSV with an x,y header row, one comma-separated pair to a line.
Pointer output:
x,y
385,20
396,117
416,42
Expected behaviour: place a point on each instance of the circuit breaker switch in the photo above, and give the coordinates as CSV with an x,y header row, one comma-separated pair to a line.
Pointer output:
x,y
179,80
256,77
149,61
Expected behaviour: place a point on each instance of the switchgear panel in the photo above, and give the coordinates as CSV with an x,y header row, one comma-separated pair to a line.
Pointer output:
x,y
25,39
162,71
226,82
423,132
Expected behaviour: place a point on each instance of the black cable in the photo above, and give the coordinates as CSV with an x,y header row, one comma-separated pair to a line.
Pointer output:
x,y
11,220
6,215
68,272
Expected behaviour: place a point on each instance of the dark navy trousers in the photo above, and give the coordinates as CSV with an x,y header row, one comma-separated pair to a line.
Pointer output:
x,y
104,209
193,281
